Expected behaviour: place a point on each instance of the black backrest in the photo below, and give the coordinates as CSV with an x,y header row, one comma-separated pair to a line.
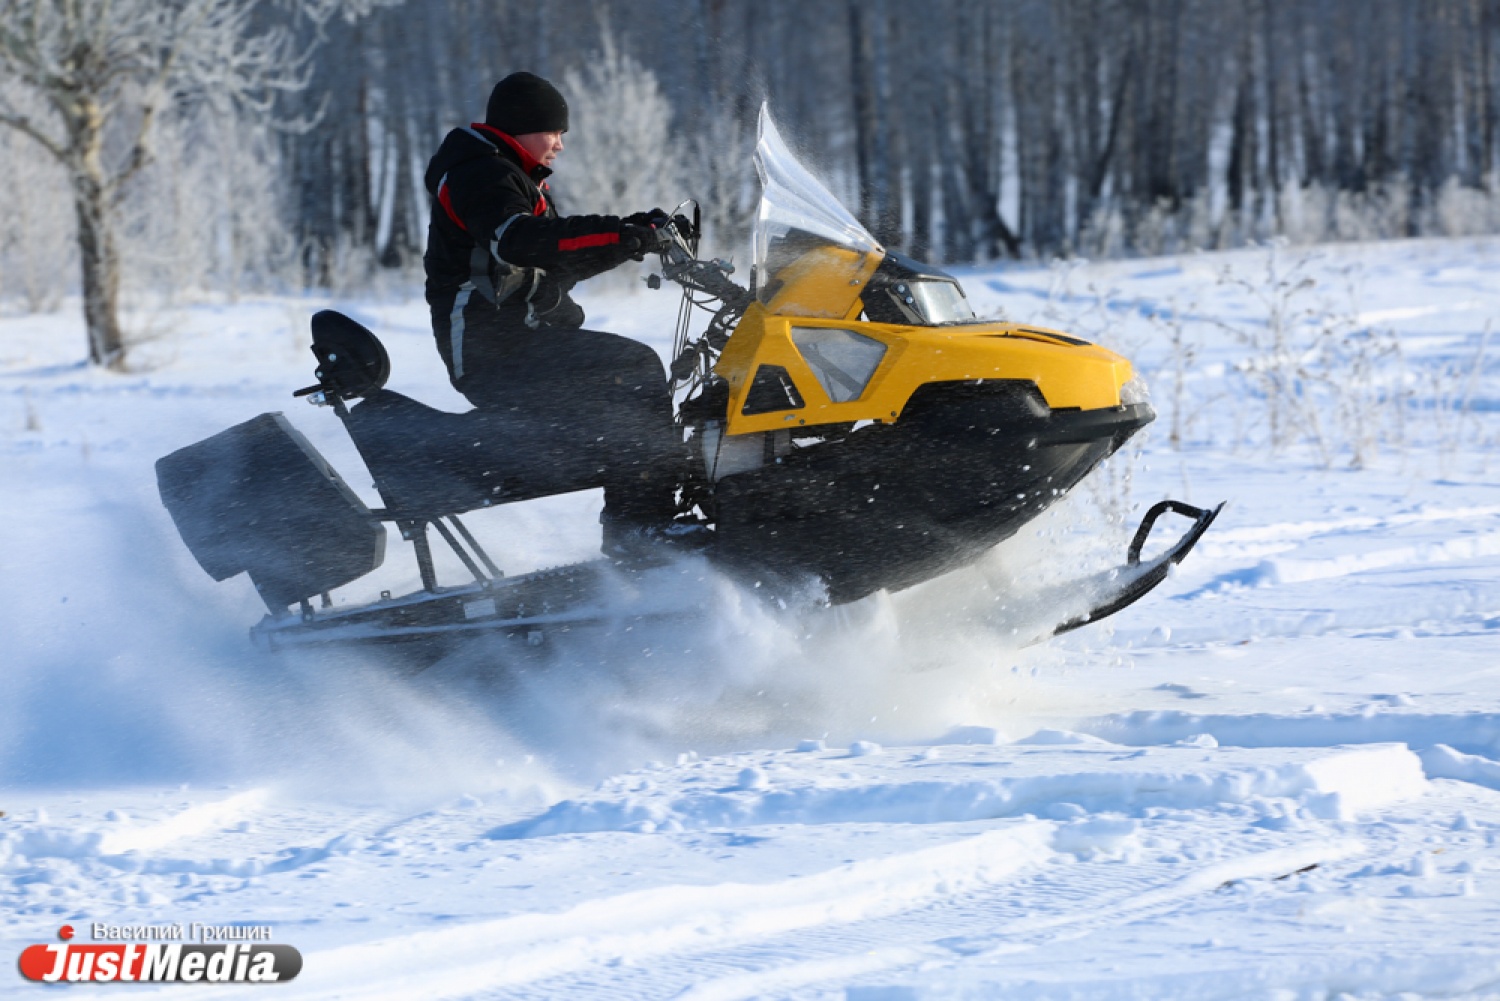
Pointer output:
x,y
351,361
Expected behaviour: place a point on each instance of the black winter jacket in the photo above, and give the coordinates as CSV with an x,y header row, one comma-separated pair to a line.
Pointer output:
x,y
494,228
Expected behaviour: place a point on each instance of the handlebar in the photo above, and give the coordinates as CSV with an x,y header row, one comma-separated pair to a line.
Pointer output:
x,y
680,264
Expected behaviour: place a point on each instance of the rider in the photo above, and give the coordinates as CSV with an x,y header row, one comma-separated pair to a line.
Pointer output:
x,y
500,265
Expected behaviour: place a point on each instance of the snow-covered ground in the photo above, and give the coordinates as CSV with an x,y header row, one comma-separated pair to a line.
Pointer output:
x,y
1277,776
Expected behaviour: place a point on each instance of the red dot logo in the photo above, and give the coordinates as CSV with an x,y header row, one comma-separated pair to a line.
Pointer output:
x,y
65,932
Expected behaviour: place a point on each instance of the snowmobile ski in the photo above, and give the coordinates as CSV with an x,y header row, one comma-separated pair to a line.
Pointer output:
x,y
1122,586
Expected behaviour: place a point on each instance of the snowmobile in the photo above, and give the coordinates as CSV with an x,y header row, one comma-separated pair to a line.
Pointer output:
x,y
846,419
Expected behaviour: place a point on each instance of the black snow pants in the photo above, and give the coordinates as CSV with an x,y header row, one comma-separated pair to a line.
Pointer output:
x,y
593,407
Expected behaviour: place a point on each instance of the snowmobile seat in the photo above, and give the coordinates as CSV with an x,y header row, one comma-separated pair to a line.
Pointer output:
x,y
429,463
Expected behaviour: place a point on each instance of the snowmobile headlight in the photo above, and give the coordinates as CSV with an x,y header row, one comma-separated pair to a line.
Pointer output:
x,y
1134,391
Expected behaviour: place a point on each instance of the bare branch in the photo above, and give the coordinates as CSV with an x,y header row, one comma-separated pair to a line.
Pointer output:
x,y
24,125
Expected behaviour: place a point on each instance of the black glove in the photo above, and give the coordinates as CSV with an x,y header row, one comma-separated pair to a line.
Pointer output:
x,y
551,306
684,227
656,218
566,313
642,240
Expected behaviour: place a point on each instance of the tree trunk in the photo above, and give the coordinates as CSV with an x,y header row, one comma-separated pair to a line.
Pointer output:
x,y
867,147
96,240
1268,200
101,276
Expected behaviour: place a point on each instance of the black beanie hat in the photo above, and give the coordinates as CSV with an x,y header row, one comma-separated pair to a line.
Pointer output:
x,y
524,102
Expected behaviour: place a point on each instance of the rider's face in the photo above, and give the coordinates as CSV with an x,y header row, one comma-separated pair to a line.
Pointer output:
x,y
544,146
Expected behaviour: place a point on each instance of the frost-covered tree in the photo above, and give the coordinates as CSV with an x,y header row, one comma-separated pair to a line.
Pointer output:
x,y
101,72
621,156
34,249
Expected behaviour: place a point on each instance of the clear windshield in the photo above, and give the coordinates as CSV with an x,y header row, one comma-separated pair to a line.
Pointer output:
x,y
800,222
940,302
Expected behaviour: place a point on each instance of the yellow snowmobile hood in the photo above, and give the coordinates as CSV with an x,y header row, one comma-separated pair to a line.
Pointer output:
x,y
764,354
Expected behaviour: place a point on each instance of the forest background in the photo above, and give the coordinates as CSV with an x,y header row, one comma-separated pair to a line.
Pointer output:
x,y
960,131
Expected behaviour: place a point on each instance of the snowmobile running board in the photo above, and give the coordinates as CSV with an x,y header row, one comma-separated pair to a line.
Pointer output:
x,y
529,607
1128,584
525,607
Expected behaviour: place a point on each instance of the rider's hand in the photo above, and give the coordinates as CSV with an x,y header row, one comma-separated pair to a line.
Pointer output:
x,y
684,227
656,218
643,240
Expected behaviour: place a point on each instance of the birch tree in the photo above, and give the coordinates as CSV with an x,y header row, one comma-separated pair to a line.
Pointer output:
x,y
104,71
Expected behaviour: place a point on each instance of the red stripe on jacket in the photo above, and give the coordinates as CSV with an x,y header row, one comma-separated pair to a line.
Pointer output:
x,y
591,240
447,203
